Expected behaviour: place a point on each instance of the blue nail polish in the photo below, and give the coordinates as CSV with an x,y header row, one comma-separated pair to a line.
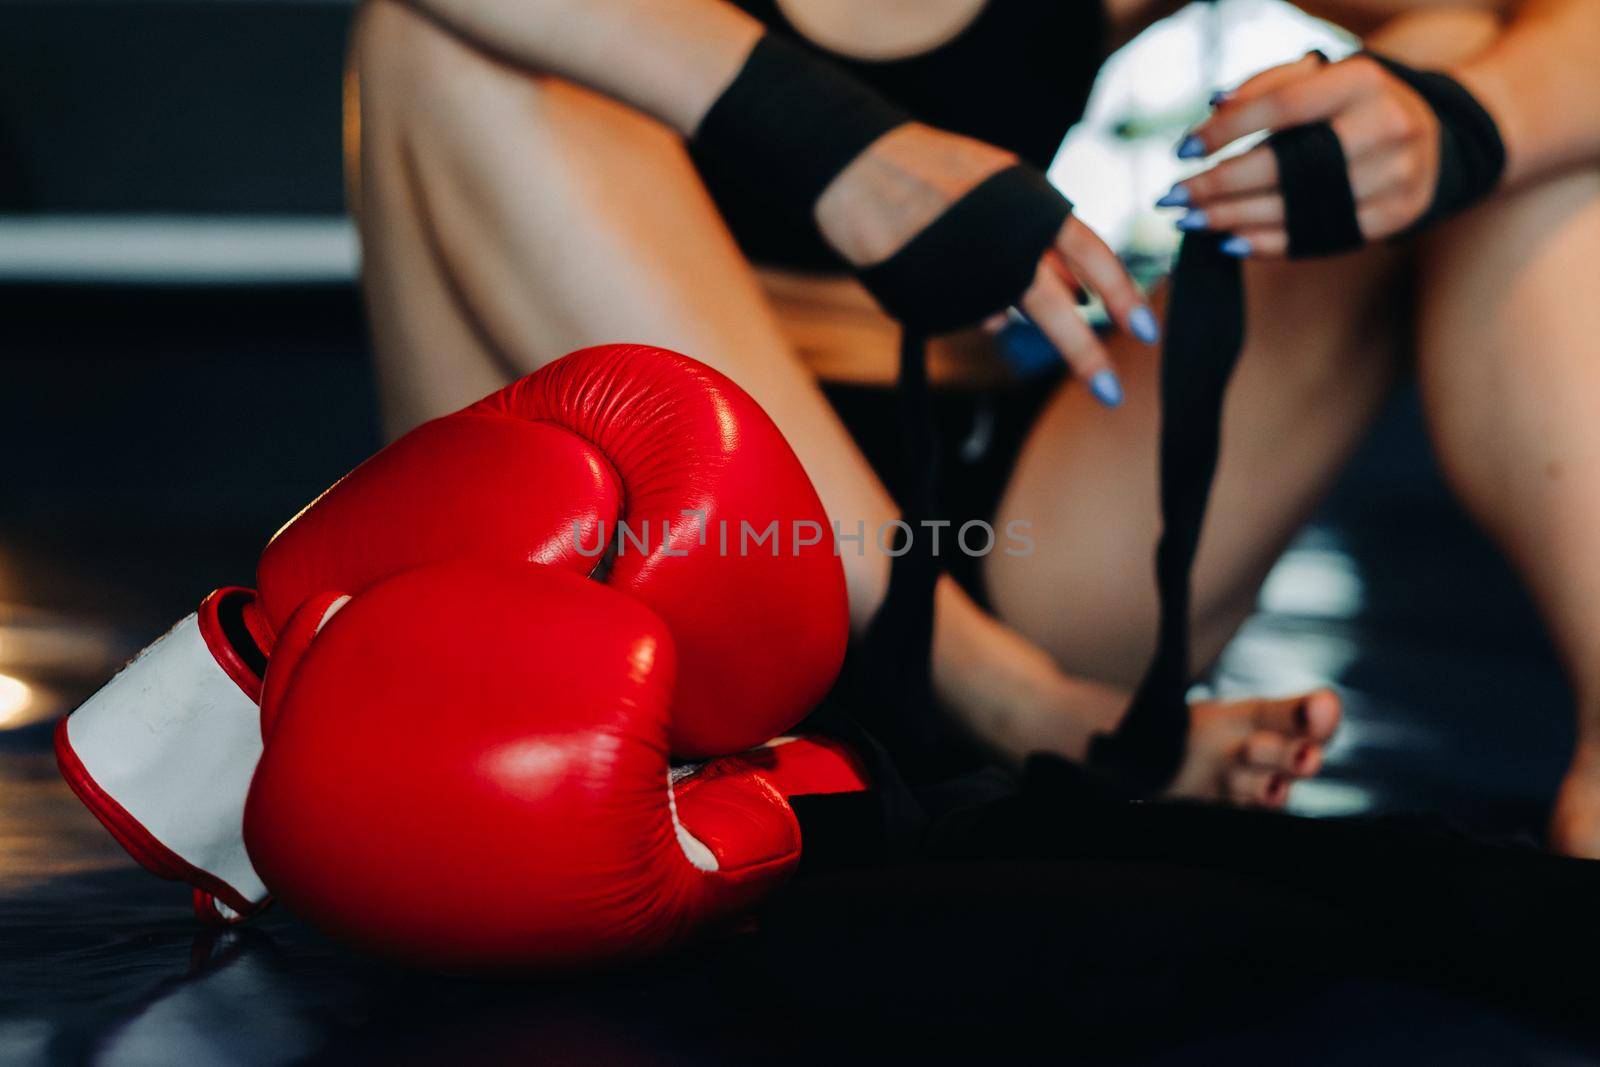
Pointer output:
x,y
1194,220
1177,196
1107,388
1144,325
1191,147
1238,247
1221,96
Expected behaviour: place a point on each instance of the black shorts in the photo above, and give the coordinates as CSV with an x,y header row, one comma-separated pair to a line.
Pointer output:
x,y
979,433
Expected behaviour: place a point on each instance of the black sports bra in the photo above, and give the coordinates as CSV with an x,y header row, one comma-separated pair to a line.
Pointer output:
x,y
1018,76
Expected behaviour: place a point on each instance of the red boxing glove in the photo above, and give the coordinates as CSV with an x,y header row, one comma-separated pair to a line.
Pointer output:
x,y
466,767
630,464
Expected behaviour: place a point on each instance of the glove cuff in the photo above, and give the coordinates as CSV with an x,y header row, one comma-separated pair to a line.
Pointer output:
x,y
164,753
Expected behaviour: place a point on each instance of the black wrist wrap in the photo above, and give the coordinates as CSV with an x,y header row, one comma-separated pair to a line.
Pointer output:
x,y
1319,207
1472,157
977,258
795,119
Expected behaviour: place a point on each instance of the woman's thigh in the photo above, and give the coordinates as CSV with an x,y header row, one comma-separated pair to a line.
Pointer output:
x,y
509,218
1321,354
1324,341
1508,359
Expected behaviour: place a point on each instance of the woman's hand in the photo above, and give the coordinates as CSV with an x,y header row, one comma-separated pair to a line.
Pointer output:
x,y
1390,138
913,174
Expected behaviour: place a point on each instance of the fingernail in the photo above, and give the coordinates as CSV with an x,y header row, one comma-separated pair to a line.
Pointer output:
x,y
1278,787
1177,196
1302,717
1302,756
1144,325
1221,96
1194,220
1107,388
1191,147
1237,247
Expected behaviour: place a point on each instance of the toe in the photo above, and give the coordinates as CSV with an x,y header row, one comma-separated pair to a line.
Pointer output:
x,y
1321,712
1272,751
1314,716
1257,787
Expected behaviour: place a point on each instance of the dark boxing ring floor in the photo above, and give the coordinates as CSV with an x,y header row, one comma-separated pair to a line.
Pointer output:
x,y
154,438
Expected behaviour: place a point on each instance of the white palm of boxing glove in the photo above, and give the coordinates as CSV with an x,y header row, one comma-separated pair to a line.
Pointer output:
x,y
163,753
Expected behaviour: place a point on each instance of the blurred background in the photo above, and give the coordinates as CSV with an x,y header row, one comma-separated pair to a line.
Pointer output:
x,y
183,365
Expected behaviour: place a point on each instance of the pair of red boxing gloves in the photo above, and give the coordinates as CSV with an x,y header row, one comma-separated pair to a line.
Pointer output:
x,y
445,727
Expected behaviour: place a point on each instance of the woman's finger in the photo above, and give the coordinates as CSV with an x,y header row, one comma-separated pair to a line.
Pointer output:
x,y
1258,85
1317,97
1051,306
1263,211
1386,215
1090,260
1255,171
1375,126
1381,216
1382,174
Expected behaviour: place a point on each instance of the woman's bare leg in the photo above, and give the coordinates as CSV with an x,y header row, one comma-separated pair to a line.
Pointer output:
x,y
509,218
1509,366
1325,341
1309,383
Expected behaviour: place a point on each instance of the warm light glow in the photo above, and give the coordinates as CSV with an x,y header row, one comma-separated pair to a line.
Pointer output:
x,y
15,696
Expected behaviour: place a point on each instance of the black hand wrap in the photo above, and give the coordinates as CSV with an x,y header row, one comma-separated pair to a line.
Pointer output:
x,y
1472,157
1205,331
1319,206
794,119
977,258
797,122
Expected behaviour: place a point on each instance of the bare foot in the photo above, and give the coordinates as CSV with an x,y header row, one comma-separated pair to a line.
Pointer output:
x,y
1575,822
1249,752
1011,695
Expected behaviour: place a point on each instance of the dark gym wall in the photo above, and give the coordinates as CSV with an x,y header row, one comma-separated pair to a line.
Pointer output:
x,y
209,106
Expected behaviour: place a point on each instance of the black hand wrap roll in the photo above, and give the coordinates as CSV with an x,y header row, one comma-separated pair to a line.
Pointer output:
x,y
975,259
1205,331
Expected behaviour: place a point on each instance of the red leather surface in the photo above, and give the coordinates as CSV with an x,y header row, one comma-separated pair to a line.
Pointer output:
x,y
469,770
620,432
293,642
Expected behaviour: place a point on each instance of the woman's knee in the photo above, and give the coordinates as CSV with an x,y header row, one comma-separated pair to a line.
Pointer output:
x,y
415,75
